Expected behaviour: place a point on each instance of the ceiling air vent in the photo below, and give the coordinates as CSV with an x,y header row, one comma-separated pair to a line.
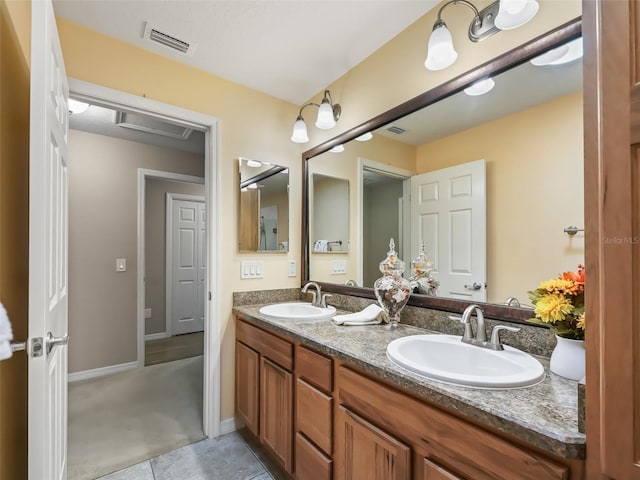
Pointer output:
x,y
395,129
152,34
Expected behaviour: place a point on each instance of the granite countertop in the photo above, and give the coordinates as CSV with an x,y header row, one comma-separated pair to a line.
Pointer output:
x,y
544,415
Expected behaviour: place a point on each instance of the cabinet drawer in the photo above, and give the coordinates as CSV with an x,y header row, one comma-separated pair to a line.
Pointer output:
x,y
433,471
274,348
311,463
314,368
314,415
473,451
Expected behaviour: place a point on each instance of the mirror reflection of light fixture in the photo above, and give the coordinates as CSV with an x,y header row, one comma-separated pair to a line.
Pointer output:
x,y
76,106
561,55
254,163
480,87
328,115
338,148
500,15
365,137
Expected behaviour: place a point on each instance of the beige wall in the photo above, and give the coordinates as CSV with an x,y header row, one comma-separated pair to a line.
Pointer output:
x,y
15,33
155,243
390,76
103,195
534,190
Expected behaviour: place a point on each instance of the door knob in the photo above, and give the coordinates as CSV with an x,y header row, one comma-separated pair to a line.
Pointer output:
x,y
53,341
473,286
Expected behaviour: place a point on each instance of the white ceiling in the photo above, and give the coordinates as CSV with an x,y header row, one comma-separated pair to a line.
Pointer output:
x,y
290,49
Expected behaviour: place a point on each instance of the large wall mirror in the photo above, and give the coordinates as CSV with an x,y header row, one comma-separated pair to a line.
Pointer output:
x,y
263,223
487,183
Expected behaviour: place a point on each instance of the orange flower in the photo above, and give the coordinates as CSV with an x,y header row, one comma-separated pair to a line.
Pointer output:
x,y
576,277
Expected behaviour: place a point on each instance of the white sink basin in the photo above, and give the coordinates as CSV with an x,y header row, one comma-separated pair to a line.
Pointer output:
x,y
297,312
445,358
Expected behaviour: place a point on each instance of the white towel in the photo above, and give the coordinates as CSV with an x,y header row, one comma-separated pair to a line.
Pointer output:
x,y
6,334
372,315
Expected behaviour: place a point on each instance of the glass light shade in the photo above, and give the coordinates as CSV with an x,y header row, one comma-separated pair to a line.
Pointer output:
x,y
76,106
515,13
300,132
566,53
254,163
480,87
338,148
441,53
325,116
365,137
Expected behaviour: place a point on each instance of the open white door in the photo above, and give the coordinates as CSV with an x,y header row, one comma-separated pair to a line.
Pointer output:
x,y
186,263
448,213
48,246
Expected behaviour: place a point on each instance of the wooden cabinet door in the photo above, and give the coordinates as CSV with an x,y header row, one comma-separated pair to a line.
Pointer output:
x,y
276,411
363,451
612,246
433,471
247,386
311,463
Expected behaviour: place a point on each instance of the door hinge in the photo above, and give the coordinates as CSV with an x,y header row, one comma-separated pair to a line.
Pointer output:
x,y
209,296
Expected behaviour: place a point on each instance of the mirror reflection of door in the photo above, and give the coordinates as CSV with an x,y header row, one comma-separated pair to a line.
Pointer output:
x,y
269,228
448,214
382,214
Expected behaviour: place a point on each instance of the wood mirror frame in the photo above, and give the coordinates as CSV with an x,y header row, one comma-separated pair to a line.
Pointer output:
x,y
496,66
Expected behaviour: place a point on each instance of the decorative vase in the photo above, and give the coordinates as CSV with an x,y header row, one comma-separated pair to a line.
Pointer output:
x,y
567,359
392,290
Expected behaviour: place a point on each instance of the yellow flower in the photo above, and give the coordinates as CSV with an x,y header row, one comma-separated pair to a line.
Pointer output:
x,y
580,323
559,285
553,307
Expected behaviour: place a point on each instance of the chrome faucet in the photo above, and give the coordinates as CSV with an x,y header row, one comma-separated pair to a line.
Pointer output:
x,y
480,339
316,297
512,302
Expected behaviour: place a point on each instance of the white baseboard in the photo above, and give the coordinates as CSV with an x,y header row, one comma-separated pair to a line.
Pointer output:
x,y
156,336
100,372
228,426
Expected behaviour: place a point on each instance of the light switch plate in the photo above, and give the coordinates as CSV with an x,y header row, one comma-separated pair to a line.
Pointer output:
x,y
251,269
291,268
338,267
121,264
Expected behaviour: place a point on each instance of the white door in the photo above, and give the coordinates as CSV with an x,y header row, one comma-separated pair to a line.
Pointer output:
x,y
448,213
188,266
48,242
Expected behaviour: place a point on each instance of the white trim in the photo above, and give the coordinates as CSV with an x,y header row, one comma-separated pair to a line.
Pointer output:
x,y
101,372
168,295
211,126
228,425
155,336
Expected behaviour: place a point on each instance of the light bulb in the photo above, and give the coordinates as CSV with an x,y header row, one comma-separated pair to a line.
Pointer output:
x,y
325,116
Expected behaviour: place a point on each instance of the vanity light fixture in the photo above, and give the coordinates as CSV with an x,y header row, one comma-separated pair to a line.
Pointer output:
x,y
480,87
338,148
328,115
500,15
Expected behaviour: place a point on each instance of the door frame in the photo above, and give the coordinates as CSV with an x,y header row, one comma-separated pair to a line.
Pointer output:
x,y
210,125
168,329
391,171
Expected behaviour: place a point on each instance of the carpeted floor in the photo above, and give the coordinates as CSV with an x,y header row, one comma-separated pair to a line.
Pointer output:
x,y
122,419
173,348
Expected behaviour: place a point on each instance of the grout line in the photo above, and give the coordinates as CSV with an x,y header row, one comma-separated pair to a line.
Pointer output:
x,y
152,472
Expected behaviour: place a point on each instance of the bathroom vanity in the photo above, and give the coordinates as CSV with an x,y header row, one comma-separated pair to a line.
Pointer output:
x,y
326,403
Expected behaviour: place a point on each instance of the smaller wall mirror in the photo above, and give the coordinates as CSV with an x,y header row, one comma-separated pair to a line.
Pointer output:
x,y
263,224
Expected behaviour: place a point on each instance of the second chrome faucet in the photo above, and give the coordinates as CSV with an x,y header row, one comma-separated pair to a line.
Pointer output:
x,y
317,298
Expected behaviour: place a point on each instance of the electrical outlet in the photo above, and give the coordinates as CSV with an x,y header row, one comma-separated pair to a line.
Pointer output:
x,y
147,313
251,269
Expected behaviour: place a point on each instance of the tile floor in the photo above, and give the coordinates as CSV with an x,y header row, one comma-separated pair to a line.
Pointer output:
x,y
228,457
